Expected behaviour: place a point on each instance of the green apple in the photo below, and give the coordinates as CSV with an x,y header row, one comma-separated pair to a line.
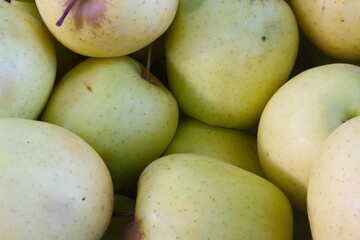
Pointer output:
x,y
124,208
107,28
230,145
334,186
225,59
53,185
193,196
331,25
128,120
297,120
27,63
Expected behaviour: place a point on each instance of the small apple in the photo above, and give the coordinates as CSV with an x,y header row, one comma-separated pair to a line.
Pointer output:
x,y
27,63
53,185
225,59
230,145
297,120
193,196
334,186
127,119
109,28
332,26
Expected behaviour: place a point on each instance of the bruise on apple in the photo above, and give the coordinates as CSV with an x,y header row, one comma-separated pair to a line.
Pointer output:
x,y
92,12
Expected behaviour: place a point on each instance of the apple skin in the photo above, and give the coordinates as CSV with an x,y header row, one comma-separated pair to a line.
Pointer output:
x,y
297,120
193,196
53,185
27,63
225,59
108,28
332,26
334,186
129,121
230,145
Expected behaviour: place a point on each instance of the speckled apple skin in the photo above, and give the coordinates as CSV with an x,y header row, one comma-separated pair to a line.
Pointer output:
x,y
225,59
53,185
192,196
108,28
334,186
27,63
297,120
129,121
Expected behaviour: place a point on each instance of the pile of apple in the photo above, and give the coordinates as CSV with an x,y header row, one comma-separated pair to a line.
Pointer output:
x,y
179,119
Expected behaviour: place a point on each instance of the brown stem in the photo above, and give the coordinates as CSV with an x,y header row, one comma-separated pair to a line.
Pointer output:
x,y
66,12
146,75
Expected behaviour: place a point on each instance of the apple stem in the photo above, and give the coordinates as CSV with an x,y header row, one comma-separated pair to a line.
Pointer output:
x,y
9,1
146,75
66,12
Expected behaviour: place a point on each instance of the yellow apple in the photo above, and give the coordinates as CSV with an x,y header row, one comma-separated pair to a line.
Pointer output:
x,y
27,63
53,185
297,120
333,26
193,196
225,59
107,28
230,145
128,120
334,186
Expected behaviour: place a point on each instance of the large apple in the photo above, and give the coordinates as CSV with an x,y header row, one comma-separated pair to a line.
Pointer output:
x,y
225,59
53,185
193,196
107,28
27,63
127,119
230,145
334,186
331,25
297,120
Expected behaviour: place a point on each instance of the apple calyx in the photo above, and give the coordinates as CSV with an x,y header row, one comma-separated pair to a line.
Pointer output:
x,y
66,12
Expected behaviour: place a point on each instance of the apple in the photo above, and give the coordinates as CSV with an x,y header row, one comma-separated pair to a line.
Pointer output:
x,y
193,196
332,26
127,119
230,145
225,59
334,185
27,63
123,213
109,28
66,59
297,120
53,185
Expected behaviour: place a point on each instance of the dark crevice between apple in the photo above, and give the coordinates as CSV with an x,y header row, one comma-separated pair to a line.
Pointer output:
x,y
9,1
